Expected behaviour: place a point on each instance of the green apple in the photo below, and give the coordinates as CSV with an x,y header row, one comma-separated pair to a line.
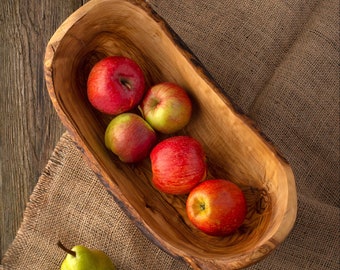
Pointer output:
x,y
166,107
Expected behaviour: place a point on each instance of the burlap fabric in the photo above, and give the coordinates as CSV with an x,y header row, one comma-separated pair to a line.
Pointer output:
x,y
279,62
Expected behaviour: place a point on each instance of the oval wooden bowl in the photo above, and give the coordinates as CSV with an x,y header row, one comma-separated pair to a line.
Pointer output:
x,y
235,149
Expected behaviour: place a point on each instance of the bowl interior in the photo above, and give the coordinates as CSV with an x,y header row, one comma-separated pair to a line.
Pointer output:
x,y
234,149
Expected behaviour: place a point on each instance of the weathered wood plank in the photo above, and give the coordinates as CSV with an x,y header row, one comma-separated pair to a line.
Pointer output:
x,y
29,126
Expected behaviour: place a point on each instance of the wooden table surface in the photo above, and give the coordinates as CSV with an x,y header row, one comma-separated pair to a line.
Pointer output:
x,y
30,128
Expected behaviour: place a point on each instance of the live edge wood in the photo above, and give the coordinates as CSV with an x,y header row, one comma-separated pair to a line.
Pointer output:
x,y
234,147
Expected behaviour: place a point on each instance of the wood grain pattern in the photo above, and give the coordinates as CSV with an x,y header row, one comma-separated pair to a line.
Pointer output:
x,y
29,127
235,149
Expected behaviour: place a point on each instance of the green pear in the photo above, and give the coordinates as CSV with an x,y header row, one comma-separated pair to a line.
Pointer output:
x,y
83,258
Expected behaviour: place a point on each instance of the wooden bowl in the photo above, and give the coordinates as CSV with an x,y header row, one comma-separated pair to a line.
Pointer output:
x,y
234,147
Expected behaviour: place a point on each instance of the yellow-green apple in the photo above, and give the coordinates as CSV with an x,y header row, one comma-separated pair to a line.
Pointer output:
x,y
130,137
116,84
217,207
166,107
178,164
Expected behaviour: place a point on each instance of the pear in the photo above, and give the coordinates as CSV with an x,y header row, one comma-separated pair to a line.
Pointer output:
x,y
83,258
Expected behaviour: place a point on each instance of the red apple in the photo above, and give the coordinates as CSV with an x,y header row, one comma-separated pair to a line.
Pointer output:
x,y
178,164
166,107
217,207
116,84
130,137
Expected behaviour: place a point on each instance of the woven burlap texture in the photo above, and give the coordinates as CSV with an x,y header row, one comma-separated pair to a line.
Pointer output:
x,y
278,61
70,204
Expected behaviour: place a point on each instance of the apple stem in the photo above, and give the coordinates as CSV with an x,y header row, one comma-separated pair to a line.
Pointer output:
x,y
125,83
202,206
71,252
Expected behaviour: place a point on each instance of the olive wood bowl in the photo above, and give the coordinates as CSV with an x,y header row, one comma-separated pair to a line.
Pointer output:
x,y
235,149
